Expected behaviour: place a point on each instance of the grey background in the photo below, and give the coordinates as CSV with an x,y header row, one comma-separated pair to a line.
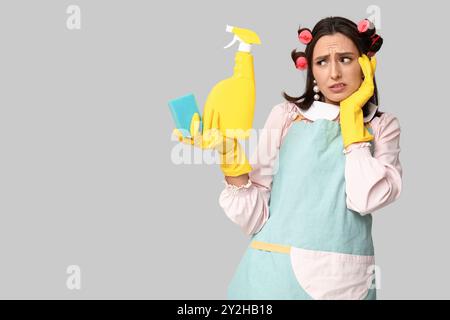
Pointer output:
x,y
86,176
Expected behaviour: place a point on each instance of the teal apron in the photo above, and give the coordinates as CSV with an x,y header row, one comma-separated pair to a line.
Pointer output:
x,y
312,246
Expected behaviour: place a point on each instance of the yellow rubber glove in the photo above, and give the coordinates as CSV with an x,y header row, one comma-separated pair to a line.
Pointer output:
x,y
233,161
351,114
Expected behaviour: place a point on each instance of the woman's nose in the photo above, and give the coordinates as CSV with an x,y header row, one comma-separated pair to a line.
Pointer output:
x,y
335,70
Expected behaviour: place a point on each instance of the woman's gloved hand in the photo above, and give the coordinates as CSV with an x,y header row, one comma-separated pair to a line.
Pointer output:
x,y
351,114
233,161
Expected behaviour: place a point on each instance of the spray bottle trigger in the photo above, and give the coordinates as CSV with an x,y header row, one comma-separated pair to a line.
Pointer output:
x,y
235,38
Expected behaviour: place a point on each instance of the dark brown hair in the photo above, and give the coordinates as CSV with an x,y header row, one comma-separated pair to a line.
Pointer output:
x,y
329,26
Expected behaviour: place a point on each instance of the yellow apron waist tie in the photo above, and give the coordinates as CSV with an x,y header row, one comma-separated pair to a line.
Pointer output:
x,y
270,247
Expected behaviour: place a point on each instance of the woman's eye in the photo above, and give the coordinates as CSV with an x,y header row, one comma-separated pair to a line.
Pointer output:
x,y
346,60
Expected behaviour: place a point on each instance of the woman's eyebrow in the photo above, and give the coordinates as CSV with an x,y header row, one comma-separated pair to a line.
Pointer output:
x,y
338,53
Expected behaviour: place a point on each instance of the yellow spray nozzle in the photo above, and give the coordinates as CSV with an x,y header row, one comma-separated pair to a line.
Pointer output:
x,y
246,37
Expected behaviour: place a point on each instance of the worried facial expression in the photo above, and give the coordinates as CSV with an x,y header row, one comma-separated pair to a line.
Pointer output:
x,y
335,63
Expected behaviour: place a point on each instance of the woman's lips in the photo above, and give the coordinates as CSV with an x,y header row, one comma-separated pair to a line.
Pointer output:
x,y
339,87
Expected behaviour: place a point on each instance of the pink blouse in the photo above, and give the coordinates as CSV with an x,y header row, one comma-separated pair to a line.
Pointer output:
x,y
372,182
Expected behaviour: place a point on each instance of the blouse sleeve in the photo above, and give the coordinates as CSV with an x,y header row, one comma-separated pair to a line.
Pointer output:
x,y
248,205
373,182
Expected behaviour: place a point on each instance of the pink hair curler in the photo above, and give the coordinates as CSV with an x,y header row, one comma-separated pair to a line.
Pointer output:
x,y
305,36
301,63
365,25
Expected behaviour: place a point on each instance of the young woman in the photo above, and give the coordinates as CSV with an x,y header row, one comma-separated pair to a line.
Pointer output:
x,y
325,162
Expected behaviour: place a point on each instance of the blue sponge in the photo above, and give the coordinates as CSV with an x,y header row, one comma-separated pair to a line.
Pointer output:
x,y
183,108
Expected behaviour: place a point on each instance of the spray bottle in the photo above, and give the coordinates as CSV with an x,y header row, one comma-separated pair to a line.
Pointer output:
x,y
230,105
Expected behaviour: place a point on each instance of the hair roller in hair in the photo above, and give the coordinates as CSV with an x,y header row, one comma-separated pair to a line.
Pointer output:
x,y
304,35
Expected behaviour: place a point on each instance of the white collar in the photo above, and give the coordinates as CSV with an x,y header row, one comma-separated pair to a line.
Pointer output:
x,y
322,110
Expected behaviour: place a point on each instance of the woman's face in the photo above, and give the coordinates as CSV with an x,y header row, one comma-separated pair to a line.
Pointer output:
x,y
335,61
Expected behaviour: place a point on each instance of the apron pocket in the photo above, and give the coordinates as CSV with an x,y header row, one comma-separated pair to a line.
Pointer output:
x,y
331,275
